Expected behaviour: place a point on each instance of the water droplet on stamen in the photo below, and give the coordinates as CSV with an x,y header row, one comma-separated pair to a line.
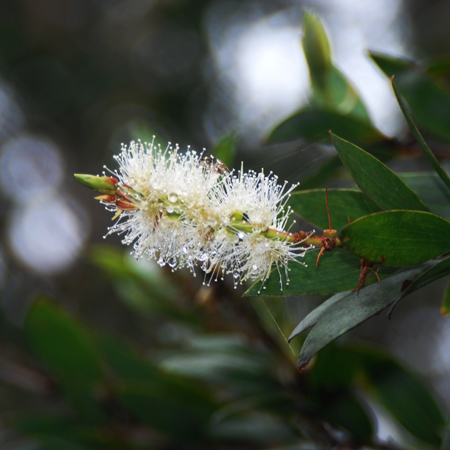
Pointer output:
x,y
161,261
173,198
172,262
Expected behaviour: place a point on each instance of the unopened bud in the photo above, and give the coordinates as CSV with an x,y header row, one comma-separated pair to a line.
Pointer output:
x,y
104,185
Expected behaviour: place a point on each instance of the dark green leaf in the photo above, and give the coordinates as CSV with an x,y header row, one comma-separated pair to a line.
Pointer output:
x,y
376,180
57,432
445,308
313,125
428,99
439,270
337,271
225,149
446,439
331,90
345,205
62,343
345,311
253,427
403,395
398,238
343,408
420,140
126,364
316,48
431,190
66,347
171,409
335,368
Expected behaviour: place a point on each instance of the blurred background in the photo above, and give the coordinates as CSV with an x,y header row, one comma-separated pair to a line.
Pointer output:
x,y
80,77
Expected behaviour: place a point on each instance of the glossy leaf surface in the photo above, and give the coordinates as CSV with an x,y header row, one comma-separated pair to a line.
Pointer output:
x,y
375,179
337,271
345,205
398,238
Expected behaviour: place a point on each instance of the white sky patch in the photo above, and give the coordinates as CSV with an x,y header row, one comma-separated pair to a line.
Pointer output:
x,y
47,235
261,63
266,67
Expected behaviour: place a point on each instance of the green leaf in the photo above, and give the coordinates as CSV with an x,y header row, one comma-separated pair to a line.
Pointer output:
x,y
337,271
376,180
439,270
445,308
331,90
225,149
344,204
436,272
66,347
403,395
171,409
345,311
420,140
224,360
398,238
62,343
344,409
446,439
316,48
313,125
173,405
335,368
57,432
428,98
431,190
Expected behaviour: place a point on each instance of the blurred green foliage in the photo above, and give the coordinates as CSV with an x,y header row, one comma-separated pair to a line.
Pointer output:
x,y
139,357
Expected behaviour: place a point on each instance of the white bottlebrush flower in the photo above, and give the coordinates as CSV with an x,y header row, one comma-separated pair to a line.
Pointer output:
x,y
184,210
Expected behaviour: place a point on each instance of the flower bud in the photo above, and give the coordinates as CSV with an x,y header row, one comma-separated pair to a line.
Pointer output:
x,y
104,185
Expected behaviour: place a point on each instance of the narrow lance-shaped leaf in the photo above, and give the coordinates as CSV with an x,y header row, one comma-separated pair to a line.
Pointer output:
x,y
375,179
428,98
344,311
420,140
345,205
398,238
436,272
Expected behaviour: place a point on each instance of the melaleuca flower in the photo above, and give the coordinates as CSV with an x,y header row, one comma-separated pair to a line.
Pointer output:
x,y
186,211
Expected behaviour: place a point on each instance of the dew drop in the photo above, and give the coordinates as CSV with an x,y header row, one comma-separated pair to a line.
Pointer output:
x,y
254,268
170,210
173,198
241,235
172,262
236,275
203,257
161,261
